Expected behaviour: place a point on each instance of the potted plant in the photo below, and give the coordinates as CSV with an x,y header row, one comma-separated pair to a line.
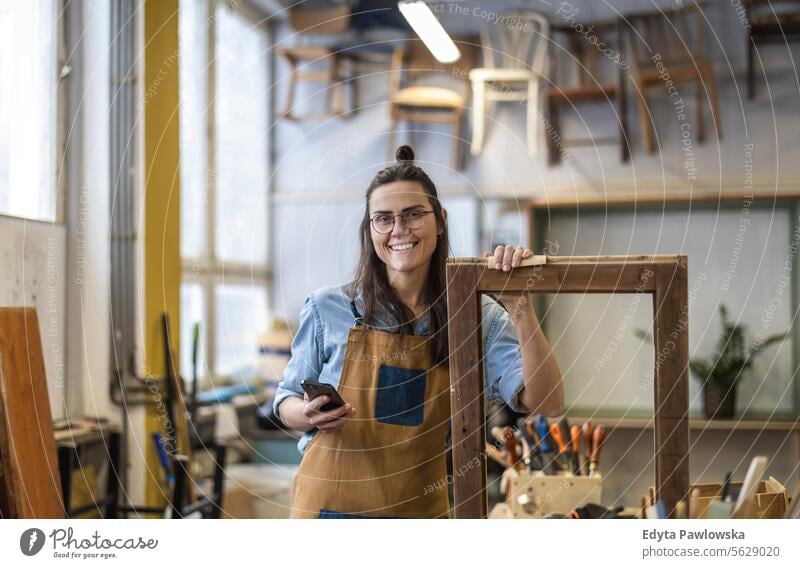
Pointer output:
x,y
720,372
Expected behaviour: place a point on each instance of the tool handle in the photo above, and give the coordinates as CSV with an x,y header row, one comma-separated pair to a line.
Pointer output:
x,y
598,437
575,438
555,434
586,431
575,441
541,427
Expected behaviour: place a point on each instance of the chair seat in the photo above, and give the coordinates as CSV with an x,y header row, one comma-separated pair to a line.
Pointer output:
x,y
492,74
582,93
428,97
309,52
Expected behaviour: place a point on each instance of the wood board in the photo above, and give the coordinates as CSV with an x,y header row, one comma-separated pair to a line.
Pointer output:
x,y
30,486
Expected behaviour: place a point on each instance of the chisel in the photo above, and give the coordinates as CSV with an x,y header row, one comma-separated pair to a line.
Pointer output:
x,y
598,437
575,440
543,429
537,459
558,439
586,431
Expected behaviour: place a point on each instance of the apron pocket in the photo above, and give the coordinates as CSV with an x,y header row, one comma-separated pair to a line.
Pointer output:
x,y
401,396
330,514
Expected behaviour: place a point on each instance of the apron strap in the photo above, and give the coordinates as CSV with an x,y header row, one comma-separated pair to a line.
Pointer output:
x,y
356,315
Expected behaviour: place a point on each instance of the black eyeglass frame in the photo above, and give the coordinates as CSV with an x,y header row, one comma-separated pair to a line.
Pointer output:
x,y
394,220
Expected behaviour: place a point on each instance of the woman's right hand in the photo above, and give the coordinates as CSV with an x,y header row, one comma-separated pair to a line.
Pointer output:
x,y
327,420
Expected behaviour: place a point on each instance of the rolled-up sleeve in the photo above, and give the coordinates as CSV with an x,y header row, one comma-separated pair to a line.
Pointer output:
x,y
306,355
502,359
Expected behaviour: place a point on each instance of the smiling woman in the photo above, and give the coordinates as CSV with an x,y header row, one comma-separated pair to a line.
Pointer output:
x,y
382,340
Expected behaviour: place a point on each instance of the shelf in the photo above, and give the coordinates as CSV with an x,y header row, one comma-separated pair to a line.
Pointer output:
x,y
696,424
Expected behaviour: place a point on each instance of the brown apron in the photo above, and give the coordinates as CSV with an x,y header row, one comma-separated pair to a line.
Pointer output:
x,y
388,461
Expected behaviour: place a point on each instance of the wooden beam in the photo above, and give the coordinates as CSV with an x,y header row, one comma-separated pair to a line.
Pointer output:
x,y
466,389
671,389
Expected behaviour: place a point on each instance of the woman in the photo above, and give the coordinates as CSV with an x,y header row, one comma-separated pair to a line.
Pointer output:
x,y
382,341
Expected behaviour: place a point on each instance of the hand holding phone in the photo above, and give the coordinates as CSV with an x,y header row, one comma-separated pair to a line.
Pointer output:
x,y
324,407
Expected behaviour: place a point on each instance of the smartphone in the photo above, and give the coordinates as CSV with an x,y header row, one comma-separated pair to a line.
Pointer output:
x,y
314,389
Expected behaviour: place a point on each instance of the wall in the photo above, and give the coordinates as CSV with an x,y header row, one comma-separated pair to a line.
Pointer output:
x,y
320,161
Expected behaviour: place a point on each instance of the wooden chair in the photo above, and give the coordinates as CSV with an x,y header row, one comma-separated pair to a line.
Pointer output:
x,y
771,21
514,58
673,40
413,97
582,59
318,30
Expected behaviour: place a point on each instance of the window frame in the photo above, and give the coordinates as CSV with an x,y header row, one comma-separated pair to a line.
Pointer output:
x,y
209,271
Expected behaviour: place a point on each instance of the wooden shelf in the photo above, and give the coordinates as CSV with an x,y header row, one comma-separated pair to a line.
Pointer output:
x,y
696,424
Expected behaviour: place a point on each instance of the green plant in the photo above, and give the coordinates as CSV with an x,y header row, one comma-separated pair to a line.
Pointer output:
x,y
730,358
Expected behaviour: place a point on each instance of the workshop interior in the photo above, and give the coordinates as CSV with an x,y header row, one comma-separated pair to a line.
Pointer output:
x,y
179,180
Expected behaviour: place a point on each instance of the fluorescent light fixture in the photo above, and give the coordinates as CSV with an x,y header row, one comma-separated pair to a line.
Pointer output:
x,y
423,21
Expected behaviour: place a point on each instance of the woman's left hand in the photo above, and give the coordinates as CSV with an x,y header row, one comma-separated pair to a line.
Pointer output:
x,y
518,304
508,257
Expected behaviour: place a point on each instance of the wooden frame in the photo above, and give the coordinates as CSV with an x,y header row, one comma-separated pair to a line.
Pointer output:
x,y
663,276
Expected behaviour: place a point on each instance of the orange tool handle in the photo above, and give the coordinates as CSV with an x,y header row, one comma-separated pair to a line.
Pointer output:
x,y
598,438
575,439
555,433
586,430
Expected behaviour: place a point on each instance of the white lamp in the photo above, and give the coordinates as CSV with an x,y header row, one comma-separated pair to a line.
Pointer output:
x,y
423,21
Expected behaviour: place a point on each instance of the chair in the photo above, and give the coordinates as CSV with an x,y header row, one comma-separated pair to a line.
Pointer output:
x,y
514,57
668,46
771,21
414,97
579,56
315,28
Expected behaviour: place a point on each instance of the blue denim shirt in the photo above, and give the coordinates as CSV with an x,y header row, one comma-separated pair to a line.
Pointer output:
x,y
321,338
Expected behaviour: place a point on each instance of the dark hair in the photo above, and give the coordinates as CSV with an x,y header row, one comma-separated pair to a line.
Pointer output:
x,y
371,276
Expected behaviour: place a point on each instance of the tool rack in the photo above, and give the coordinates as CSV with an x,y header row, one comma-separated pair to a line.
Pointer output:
x,y
662,276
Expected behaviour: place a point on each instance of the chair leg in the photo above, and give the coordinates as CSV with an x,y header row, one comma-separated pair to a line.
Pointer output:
x,y
478,116
644,119
751,72
622,110
287,109
700,89
457,162
552,134
533,117
714,99
392,130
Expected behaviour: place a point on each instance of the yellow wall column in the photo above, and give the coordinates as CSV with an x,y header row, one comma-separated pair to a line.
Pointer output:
x,y
162,262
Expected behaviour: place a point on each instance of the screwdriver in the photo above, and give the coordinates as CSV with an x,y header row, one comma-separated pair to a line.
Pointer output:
x,y
586,431
542,428
575,440
555,435
598,438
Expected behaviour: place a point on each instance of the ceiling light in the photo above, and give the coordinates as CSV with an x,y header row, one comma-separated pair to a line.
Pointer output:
x,y
423,21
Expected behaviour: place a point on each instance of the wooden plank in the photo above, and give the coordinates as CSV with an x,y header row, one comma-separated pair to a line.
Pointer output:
x,y
29,480
671,389
466,391
580,278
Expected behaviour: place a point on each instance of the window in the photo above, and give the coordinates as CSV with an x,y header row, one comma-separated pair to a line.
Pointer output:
x,y
28,123
223,138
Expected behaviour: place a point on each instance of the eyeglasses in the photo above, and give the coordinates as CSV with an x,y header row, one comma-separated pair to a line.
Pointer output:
x,y
384,223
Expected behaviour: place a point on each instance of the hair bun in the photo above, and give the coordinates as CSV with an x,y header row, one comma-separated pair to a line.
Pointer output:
x,y
404,154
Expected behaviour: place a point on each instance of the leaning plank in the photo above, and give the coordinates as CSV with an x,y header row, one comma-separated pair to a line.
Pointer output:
x,y
29,479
